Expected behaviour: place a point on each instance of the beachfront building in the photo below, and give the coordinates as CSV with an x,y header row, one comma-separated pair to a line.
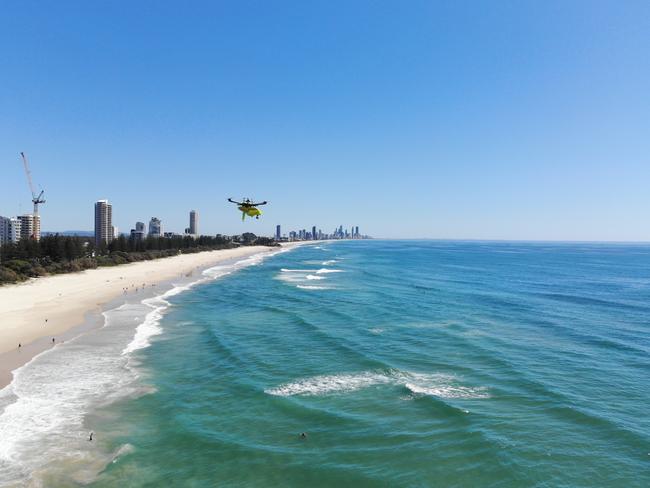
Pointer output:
x,y
103,222
139,232
314,236
9,230
278,233
30,226
194,223
155,227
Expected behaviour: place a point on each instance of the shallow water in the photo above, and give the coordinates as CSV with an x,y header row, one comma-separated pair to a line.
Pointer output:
x,y
414,363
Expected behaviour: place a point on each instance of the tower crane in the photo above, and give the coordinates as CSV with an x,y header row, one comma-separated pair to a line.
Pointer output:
x,y
35,199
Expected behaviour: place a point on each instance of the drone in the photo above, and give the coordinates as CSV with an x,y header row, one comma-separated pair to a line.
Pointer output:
x,y
248,207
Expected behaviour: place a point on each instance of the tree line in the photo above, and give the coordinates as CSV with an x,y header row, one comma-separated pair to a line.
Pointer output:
x,y
54,254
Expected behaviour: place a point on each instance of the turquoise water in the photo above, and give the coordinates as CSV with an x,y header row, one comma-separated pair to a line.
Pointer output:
x,y
414,363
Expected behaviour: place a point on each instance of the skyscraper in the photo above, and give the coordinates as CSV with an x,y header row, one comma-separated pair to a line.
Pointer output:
x,y
278,233
103,222
139,232
314,236
356,231
155,227
194,223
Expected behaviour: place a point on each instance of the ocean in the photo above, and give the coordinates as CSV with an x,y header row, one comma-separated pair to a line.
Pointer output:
x,y
404,363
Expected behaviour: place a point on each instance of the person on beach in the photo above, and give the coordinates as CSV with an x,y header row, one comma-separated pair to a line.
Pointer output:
x,y
52,340
91,437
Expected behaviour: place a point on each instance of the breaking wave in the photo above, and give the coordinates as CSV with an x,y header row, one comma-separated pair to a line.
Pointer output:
x,y
438,385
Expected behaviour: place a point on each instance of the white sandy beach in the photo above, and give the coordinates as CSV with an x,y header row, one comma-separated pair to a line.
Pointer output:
x,y
64,300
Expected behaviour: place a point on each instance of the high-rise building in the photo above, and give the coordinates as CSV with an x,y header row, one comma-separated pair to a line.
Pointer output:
x,y
9,230
30,226
138,233
194,223
155,227
356,231
103,222
314,236
278,233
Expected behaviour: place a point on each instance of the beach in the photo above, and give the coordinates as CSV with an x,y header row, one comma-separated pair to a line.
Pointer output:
x,y
35,312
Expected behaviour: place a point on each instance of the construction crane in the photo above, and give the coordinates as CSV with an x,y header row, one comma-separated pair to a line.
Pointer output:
x,y
35,199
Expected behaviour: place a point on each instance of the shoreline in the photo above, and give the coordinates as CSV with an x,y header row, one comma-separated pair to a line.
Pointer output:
x,y
73,303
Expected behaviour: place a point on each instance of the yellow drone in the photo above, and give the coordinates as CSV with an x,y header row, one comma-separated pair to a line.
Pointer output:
x,y
248,208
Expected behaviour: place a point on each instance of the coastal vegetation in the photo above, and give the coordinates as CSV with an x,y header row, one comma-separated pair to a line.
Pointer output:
x,y
56,254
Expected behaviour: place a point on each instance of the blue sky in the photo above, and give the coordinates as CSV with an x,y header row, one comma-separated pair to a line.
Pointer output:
x,y
455,119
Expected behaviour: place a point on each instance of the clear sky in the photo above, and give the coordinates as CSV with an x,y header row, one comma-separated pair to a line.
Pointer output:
x,y
455,119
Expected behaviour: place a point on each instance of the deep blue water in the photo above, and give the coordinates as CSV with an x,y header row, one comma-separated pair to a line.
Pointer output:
x,y
406,363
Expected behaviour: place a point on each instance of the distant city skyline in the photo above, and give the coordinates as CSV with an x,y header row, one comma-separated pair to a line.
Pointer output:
x,y
488,120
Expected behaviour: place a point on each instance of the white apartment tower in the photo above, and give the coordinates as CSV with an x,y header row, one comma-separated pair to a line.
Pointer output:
x,y
9,230
103,222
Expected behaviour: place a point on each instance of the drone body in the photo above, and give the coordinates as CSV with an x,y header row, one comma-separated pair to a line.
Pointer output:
x,y
247,207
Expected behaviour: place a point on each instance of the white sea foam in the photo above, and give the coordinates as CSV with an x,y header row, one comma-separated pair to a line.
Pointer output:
x,y
149,327
317,271
329,262
314,277
300,277
328,270
447,391
438,385
323,385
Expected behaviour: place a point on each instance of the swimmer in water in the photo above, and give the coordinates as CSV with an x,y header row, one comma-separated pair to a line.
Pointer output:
x,y
303,435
